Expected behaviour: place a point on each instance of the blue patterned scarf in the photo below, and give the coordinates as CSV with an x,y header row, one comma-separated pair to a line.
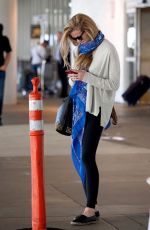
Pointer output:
x,y
78,94
88,47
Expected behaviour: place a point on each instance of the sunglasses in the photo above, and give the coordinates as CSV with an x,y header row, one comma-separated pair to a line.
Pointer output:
x,y
77,38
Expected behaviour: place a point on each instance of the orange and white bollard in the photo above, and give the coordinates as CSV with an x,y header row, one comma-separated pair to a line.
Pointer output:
x,y
37,152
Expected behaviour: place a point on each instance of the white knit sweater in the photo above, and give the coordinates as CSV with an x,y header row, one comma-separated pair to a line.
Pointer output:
x,y
102,81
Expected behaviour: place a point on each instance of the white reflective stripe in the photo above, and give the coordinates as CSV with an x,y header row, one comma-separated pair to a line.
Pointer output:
x,y
36,125
35,105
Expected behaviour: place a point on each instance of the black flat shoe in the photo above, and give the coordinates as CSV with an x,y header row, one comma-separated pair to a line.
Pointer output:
x,y
97,214
84,220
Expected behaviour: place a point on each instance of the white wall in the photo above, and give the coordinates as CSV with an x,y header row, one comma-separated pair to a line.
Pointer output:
x,y
110,17
8,16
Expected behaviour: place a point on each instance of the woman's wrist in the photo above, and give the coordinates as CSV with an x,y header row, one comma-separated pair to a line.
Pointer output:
x,y
81,74
85,77
3,68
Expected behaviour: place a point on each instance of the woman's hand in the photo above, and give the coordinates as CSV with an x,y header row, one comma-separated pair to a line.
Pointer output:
x,y
81,74
77,77
3,68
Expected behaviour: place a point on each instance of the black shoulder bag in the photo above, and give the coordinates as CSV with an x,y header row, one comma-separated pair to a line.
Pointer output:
x,y
63,121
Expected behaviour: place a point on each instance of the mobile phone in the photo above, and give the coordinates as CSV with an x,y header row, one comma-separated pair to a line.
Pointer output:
x,y
70,71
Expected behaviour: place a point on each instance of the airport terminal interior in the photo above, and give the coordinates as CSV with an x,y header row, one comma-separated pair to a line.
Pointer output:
x,y
123,154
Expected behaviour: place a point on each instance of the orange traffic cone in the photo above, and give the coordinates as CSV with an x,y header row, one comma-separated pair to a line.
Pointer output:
x,y
37,151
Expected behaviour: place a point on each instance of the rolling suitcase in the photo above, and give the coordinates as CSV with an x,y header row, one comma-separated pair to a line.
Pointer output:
x,y
136,90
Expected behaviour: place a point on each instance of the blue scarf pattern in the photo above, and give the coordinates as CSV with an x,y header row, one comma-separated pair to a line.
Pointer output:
x,y
78,94
88,47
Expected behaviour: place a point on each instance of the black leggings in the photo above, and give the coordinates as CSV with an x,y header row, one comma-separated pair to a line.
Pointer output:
x,y
91,137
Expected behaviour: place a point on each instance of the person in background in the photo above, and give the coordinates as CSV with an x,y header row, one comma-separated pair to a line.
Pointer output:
x,y
5,55
60,67
94,84
38,54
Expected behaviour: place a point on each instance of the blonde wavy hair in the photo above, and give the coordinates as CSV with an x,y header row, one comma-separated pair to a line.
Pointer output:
x,y
84,23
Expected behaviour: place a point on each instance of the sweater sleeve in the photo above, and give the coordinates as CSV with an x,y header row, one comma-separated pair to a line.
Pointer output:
x,y
110,82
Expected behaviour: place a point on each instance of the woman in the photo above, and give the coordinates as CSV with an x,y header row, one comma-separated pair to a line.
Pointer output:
x,y
93,92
